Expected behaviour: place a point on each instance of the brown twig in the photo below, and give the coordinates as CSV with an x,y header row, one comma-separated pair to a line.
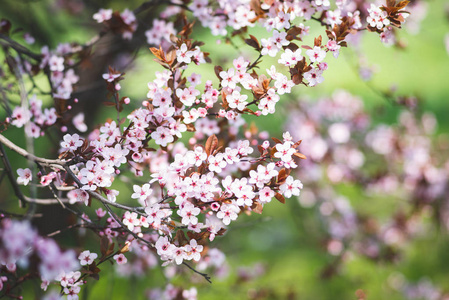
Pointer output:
x,y
11,177
7,41
207,277
52,163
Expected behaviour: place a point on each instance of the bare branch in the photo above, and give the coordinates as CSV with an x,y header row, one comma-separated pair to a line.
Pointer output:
x,y
207,277
11,176
48,201
53,163
7,41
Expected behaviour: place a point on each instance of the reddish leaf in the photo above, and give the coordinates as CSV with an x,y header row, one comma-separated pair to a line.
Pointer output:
x,y
300,155
253,42
257,207
277,141
104,245
180,237
156,52
217,70
295,145
191,127
211,144
280,198
318,41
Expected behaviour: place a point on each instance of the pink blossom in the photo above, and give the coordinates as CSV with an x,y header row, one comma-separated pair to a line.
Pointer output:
x,y
78,195
265,195
290,58
228,213
183,55
142,193
47,179
25,176
71,142
316,54
377,18
189,213
131,220
162,136
314,76
110,77
120,259
190,294
78,122
20,116
87,258
237,101
56,63
103,15
291,187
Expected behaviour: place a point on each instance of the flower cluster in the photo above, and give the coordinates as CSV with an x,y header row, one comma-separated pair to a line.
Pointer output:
x,y
20,242
124,22
34,119
403,161
380,19
63,76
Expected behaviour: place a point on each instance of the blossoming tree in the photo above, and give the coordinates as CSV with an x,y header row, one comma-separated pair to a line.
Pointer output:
x,y
193,163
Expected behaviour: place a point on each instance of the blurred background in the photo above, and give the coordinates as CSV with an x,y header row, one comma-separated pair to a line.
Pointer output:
x,y
375,230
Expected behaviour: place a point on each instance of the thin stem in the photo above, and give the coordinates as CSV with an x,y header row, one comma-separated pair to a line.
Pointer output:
x,y
207,277
11,177
7,41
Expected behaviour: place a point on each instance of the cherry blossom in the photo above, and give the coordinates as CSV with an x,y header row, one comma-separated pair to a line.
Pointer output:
x,y
102,15
189,147
314,76
25,176
291,187
228,213
377,18
316,54
71,142
87,258
183,55
120,259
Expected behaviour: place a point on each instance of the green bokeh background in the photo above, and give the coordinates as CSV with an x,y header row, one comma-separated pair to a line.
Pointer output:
x,y
286,239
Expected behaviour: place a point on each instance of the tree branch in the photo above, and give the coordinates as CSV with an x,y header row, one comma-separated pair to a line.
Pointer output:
x,y
53,163
11,177
18,47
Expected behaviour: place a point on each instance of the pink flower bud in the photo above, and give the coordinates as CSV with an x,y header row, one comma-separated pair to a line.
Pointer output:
x,y
264,135
202,112
215,206
221,113
265,144
136,156
322,66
